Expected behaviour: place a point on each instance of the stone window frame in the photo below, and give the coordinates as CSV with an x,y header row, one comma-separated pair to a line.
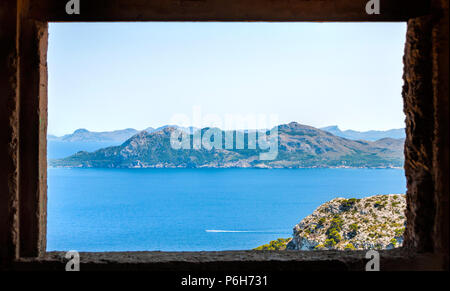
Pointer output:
x,y
23,201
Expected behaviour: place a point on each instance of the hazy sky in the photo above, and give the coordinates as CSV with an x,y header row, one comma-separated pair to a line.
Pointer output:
x,y
119,75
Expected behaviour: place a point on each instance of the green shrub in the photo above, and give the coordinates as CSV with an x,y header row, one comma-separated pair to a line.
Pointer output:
x,y
334,235
275,245
348,204
329,243
319,247
322,220
350,247
336,223
399,231
354,227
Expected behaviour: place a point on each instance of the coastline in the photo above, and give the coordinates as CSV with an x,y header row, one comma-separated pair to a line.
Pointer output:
x,y
217,167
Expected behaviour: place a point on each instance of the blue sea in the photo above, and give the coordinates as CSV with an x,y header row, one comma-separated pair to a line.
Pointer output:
x,y
194,209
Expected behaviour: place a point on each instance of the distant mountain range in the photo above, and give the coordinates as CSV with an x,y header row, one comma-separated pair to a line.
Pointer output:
x,y
371,135
299,146
84,135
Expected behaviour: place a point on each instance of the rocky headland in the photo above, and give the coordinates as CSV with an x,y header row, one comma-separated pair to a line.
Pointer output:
x,y
376,222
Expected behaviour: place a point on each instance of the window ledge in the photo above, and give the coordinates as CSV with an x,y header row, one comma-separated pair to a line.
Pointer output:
x,y
397,259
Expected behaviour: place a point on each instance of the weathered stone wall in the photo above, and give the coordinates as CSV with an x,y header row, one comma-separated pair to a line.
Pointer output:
x,y
441,143
9,131
32,135
426,106
23,122
418,108
23,125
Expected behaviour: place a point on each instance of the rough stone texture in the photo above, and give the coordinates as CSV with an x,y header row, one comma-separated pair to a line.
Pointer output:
x,y
9,131
239,261
23,116
418,108
441,145
426,107
33,132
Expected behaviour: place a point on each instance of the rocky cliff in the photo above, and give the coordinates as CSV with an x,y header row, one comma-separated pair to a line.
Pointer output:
x,y
375,222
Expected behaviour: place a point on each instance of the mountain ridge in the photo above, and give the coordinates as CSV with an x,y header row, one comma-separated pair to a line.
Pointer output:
x,y
370,135
85,135
299,146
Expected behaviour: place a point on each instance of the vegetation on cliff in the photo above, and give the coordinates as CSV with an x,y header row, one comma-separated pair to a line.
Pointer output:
x,y
275,245
375,222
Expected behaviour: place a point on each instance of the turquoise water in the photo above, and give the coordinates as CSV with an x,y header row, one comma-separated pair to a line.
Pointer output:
x,y
194,209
